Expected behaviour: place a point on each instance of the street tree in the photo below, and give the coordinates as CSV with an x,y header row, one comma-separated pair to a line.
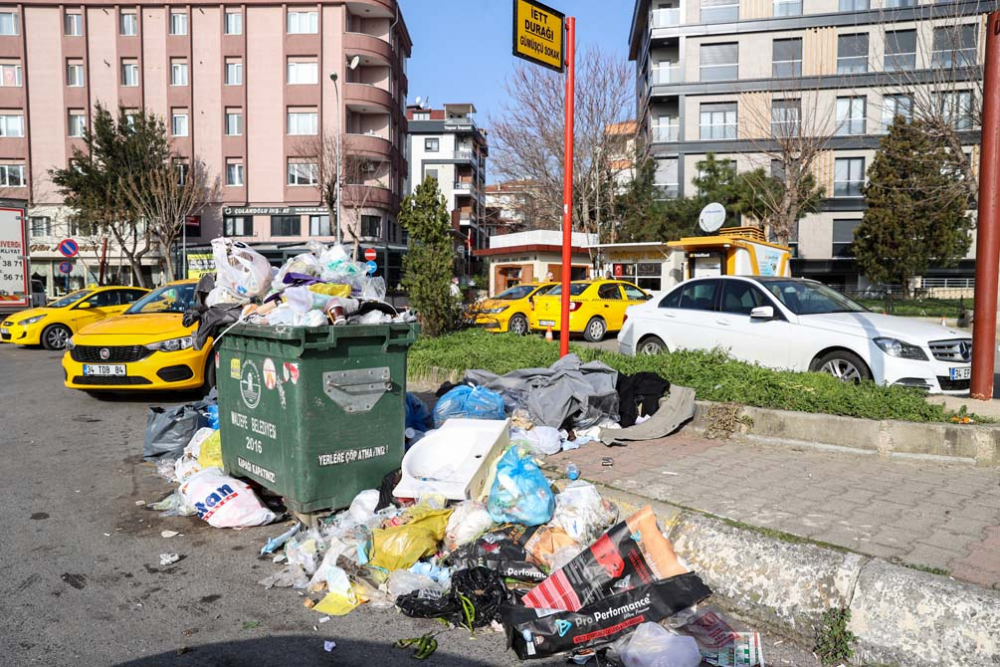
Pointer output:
x,y
916,217
429,265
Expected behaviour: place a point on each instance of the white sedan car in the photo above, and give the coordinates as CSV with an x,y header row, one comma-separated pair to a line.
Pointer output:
x,y
799,325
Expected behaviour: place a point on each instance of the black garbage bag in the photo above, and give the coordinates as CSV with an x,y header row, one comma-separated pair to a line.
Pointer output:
x,y
483,587
504,550
169,430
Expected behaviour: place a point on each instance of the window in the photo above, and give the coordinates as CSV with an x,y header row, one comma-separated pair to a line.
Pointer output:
x,y
303,122
954,46
956,109
666,179
848,176
850,115
371,226
178,72
896,4
9,23
234,172
234,72
786,118
432,145
12,175
843,237
719,62
609,291
40,225
718,120
234,23
786,58
787,7
234,122
853,5
130,73
179,122
741,298
241,225
896,105
303,23
900,50
130,115
131,295
717,11
129,24
10,74
73,24
77,122
302,72
319,225
302,171
852,54
696,295
74,73
182,169
431,173
634,293
421,115
11,124
285,225
178,23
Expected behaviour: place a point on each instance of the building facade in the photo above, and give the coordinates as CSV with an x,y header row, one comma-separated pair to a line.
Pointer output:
x,y
244,86
448,145
727,76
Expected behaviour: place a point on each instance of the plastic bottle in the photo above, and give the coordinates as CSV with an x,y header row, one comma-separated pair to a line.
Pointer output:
x,y
572,472
213,416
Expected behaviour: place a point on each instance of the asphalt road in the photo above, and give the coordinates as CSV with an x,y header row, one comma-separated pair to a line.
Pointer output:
x,y
81,581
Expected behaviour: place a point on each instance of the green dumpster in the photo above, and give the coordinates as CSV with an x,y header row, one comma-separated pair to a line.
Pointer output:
x,y
315,414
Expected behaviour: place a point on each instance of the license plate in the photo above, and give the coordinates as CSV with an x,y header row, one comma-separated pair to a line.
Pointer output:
x,y
547,323
104,369
961,373
4,331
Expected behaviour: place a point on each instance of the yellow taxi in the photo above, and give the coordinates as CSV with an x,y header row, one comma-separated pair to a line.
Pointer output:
x,y
52,325
508,310
595,307
146,348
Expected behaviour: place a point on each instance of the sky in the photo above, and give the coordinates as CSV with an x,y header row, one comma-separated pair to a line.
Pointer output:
x,y
462,48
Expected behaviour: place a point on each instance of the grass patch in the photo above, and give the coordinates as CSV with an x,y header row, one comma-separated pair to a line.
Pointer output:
x,y
713,376
919,307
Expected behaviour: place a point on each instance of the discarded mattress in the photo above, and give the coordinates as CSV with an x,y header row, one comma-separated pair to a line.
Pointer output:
x,y
675,409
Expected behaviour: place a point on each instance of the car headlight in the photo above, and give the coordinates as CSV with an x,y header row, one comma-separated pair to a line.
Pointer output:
x,y
495,311
172,345
70,344
897,348
31,320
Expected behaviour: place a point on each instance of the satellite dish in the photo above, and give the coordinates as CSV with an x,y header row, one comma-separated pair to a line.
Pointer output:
x,y
418,100
354,62
712,217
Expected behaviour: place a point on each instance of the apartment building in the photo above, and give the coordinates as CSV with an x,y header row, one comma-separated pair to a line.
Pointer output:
x,y
244,86
447,144
727,76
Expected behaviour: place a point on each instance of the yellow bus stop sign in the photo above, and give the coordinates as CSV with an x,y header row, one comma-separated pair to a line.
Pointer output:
x,y
538,34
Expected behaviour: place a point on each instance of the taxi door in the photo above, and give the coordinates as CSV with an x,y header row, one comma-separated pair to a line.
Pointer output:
x,y
611,305
96,307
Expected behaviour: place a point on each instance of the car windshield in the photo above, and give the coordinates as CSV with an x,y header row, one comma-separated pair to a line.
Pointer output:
x,y
575,289
808,298
167,299
515,293
69,299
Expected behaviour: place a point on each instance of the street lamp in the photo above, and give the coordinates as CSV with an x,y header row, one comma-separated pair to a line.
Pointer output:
x,y
353,64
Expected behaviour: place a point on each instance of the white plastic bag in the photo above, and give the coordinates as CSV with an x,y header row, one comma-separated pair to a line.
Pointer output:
x,y
223,501
402,582
362,509
582,513
469,520
241,269
653,646
543,440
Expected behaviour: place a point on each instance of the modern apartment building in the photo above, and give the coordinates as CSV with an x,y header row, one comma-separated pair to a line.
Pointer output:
x,y
447,144
727,76
244,86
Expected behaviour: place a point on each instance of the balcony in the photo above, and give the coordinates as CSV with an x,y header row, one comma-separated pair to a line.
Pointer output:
x,y
363,44
363,98
367,195
368,143
666,133
463,186
665,18
665,74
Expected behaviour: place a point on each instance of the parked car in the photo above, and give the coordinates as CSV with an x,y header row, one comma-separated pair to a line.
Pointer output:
x,y
595,308
146,348
800,325
508,310
52,325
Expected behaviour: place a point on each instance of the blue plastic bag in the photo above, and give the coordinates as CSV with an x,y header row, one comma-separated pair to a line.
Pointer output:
x,y
520,492
418,417
469,403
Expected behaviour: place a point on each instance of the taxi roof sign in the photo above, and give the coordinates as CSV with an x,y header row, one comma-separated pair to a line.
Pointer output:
x,y
538,34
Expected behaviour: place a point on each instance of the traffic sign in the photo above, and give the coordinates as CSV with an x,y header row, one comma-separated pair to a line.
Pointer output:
x,y
66,267
69,248
371,254
371,267
538,34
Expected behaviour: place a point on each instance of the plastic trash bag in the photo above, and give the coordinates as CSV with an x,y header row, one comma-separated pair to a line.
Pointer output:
x,y
241,269
470,403
404,582
418,417
469,520
541,440
520,492
169,430
399,547
223,501
483,587
653,646
362,509
341,598
210,452
503,550
582,512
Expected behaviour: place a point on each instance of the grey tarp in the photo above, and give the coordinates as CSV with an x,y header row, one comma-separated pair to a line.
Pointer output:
x,y
569,390
675,409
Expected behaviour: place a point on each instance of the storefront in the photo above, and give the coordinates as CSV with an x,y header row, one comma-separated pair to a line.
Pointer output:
x,y
651,266
533,257
85,267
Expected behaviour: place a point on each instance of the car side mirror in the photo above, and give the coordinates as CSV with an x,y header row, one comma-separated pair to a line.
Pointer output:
x,y
85,305
762,313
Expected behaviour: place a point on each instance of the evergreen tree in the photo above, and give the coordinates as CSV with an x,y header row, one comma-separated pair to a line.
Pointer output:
x,y
917,207
429,265
717,181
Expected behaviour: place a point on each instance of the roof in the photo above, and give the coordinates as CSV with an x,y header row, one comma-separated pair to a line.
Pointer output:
x,y
626,127
519,249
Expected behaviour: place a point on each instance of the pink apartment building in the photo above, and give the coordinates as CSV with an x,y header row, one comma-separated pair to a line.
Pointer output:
x,y
246,86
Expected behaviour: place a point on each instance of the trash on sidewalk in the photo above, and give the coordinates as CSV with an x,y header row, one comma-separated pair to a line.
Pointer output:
x,y
224,501
674,410
169,430
520,492
469,402
168,559
167,534
469,520
474,599
275,543
651,645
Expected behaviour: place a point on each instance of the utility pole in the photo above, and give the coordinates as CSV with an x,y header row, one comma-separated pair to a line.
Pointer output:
x,y
567,250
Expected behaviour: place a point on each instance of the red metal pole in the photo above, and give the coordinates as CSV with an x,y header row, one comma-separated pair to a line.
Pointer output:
x,y
984,328
567,252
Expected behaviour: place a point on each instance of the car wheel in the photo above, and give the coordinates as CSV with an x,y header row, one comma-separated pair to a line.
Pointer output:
x,y
518,325
651,345
596,328
843,365
209,375
54,337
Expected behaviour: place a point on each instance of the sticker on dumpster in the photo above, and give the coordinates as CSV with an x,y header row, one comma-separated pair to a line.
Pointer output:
x,y
270,374
234,369
352,455
291,371
255,469
250,385
217,361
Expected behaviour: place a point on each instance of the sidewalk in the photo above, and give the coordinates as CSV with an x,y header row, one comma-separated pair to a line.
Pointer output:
x,y
931,515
